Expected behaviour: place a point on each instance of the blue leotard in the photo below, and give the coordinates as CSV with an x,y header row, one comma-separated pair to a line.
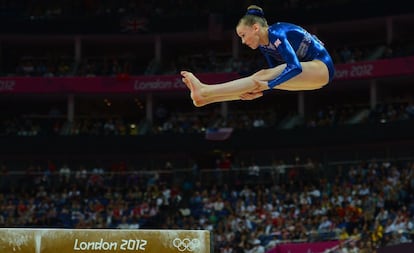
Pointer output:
x,y
292,44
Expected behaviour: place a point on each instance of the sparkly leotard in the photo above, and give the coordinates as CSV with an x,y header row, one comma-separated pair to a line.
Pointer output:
x,y
292,44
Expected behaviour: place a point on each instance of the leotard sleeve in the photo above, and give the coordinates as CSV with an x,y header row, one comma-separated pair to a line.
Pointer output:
x,y
283,46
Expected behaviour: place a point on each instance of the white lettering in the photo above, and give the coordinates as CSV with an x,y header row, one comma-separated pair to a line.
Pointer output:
x,y
159,84
341,73
133,244
362,70
178,83
98,245
7,85
142,244
101,245
151,85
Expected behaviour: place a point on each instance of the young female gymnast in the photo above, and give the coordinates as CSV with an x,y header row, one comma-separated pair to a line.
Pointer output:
x,y
297,61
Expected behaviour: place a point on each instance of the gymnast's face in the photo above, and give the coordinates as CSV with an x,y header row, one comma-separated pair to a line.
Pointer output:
x,y
249,35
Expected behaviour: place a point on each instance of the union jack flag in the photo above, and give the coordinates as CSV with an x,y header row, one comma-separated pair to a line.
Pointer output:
x,y
277,43
134,24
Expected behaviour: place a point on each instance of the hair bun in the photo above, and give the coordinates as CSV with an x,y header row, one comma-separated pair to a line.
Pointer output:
x,y
255,12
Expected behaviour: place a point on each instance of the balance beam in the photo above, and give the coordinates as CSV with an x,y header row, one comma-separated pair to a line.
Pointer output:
x,y
33,240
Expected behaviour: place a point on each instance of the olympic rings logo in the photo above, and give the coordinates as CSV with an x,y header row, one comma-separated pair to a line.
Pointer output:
x,y
186,244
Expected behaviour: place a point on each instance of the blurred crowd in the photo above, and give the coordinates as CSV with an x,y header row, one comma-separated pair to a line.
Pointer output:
x,y
119,60
167,120
251,208
81,8
206,61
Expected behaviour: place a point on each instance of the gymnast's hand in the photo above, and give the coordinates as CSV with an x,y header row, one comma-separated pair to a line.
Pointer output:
x,y
251,95
257,91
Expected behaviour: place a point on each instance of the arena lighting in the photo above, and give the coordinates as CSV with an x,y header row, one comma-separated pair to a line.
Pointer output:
x,y
104,240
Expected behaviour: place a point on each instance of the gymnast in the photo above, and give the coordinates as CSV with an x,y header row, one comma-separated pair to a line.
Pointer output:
x,y
297,60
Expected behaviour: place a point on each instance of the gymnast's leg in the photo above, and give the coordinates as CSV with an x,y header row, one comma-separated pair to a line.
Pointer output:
x,y
314,75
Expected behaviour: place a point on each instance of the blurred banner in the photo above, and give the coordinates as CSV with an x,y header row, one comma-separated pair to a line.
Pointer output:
x,y
375,69
314,247
119,84
128,84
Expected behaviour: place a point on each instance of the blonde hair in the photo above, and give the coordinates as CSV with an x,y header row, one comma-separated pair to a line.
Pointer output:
x,y
254,15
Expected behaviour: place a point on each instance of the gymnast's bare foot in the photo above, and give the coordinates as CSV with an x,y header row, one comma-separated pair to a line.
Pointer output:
x,y
195,87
